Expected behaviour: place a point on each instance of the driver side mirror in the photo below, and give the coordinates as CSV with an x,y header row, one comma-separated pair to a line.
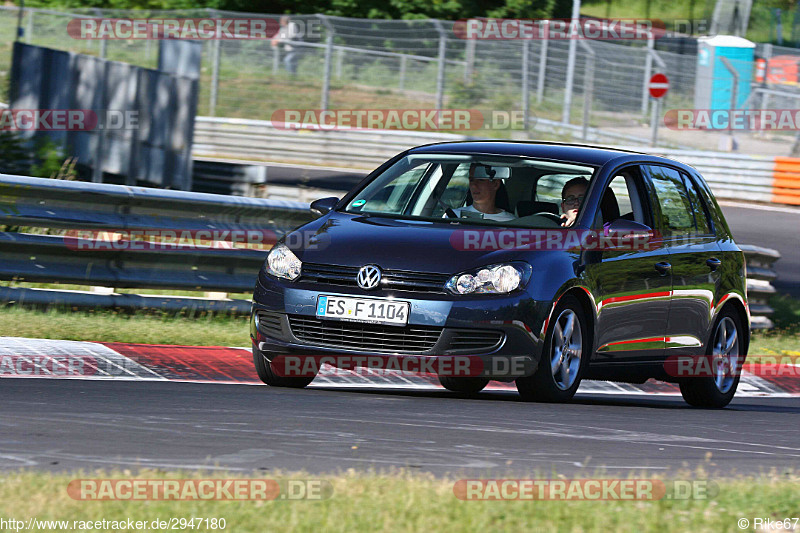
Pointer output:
x,y
631,233
323,206
625,226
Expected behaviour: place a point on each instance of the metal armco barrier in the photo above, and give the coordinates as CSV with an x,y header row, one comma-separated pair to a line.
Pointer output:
x,y
759,289
259,140
730,176
50,203
46,203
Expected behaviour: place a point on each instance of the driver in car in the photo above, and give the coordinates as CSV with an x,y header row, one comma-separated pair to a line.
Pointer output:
x,y
483,186
571,198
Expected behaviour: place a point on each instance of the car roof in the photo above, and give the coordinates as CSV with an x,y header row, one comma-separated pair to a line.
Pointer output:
x,y
574,153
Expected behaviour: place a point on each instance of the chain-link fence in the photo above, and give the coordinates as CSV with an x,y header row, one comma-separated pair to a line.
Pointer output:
x,y
405,64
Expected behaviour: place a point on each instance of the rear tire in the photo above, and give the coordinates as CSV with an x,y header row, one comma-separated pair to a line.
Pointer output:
x,y
267,374
566,352
725,350
463,385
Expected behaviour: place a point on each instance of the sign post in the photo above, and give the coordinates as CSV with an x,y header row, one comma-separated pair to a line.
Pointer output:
x,y
658,87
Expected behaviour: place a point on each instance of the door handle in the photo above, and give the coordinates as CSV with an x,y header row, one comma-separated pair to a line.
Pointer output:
x,y
663,268
713,263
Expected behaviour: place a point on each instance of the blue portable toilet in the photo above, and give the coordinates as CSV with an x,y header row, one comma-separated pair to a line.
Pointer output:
x,y
714,81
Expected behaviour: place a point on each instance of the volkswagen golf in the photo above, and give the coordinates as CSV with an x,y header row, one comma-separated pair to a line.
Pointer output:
x,y
538,263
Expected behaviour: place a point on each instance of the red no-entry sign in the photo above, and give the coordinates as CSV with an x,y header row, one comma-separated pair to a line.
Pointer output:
x,y
659,85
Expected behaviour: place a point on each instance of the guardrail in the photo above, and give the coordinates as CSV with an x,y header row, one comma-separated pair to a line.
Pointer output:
x,y
119,263
259,140
760,274
730,176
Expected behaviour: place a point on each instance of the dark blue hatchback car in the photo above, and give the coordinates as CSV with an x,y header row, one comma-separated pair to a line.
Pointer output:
x,y
546,263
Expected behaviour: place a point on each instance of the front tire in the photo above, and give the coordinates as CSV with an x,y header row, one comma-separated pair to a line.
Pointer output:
x,y
267,374
566,352
725,349
463,385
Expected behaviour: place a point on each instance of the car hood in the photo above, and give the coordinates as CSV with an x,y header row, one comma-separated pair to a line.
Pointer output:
x,y
355,240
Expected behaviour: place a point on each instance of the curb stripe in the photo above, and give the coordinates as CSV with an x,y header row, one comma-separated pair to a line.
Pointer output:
x,y
223,365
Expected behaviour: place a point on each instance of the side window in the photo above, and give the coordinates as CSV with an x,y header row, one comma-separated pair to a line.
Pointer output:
x,y
700,215
677,212
621,199
456,191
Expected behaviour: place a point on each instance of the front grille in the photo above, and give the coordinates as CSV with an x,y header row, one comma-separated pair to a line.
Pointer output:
x,y
404,280
269,323
480,340
364,337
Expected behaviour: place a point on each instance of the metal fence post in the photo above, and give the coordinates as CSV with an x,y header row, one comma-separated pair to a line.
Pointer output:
x,y
103,42
29,27
97,170
216,52
441,65
543,62
469,63
526,51
588,88
574,21
648,72
326,76
276,59
339,62
734,95
403,61
767,52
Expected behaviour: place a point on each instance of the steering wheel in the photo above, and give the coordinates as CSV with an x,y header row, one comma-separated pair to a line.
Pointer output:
x,y
447,209
551,216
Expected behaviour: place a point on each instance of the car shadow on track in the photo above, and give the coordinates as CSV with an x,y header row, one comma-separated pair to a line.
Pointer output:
x,y
587,399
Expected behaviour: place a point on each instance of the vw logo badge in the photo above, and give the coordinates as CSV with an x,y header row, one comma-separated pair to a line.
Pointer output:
x,y
368,277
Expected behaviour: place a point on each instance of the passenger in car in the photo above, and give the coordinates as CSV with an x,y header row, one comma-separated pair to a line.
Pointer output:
x,y
571,198
483,186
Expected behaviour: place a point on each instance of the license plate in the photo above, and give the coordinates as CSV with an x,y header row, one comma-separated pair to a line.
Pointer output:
x,y
363,310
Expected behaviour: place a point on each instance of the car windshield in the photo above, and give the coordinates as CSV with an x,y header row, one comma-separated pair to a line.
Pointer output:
x,y
485,189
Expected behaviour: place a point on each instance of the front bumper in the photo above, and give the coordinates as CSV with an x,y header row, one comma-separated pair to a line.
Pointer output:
x,y
515,320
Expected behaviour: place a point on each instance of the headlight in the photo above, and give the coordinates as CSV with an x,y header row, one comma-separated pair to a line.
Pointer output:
x,y
282,263
493,279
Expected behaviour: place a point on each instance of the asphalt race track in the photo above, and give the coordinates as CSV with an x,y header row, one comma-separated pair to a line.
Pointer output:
x,y
770,227
69,424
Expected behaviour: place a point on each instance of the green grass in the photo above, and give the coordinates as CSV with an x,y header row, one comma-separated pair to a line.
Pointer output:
x,y
110,326
405,501
159,292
